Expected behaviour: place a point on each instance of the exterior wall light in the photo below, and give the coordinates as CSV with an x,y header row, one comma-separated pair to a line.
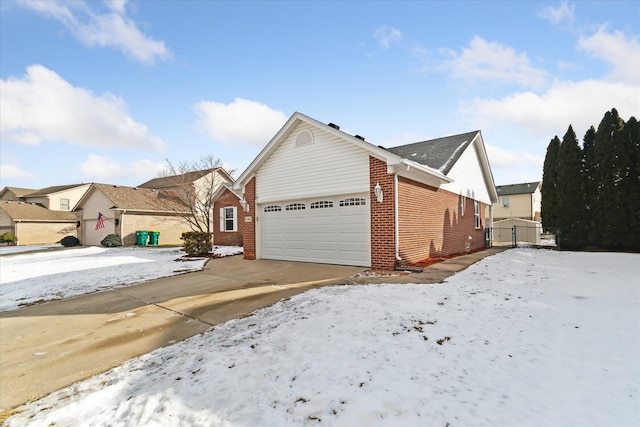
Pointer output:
x,y
377,190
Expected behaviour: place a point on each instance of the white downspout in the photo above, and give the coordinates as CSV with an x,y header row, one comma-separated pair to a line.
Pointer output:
x,y
395,214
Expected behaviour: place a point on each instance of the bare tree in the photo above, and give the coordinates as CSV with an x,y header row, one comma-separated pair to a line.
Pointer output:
x,y
193,185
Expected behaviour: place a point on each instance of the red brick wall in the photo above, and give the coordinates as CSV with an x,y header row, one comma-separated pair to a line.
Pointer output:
x,y
431,225
227,199
382,217
249,228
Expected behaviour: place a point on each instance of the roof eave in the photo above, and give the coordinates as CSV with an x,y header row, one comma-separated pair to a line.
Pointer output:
x,y
410,169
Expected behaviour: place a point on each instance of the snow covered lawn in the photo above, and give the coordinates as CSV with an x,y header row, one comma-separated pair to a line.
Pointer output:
x,y
36,277
524,338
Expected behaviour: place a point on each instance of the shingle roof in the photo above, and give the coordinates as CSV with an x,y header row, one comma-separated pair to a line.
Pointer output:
x,y
28,211
172,181
145,199
19,192
50,190
440,153
524,188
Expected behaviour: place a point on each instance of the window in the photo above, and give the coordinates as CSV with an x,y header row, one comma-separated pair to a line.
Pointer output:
x,y
353,201
273,208
229,219
462,202
505,201
295,207
476,214
64,204
322,204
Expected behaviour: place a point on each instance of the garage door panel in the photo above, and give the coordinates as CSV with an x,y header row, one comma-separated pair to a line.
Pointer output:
x,y
328,233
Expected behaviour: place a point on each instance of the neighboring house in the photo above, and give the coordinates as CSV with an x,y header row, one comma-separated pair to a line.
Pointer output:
x,y
202,181
215,183
227,228
15,193
33,224
518,201
318,194
128,210
56,198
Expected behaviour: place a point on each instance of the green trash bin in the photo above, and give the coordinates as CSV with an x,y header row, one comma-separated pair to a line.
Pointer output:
x,y
154,237
142,237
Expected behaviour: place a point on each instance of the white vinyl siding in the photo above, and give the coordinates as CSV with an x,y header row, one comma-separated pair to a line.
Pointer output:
x,y
467,177
229,219
326,167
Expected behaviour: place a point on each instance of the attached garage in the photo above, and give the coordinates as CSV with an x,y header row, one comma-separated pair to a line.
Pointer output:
x,y
332,230
318,194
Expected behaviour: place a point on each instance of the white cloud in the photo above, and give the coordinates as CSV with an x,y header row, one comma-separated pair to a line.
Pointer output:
x,y
557,15
101,168
386,35
241,122
500,158
112,28
14,172
43,106
618,50
580,104
485,61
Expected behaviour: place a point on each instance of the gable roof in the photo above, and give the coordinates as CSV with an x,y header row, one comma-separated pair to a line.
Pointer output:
x,y
170,181
392,159
440,154
139,199
17,191
50,190
22,211
511,189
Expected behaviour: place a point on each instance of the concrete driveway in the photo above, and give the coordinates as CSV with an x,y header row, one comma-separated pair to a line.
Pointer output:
x,y
48,346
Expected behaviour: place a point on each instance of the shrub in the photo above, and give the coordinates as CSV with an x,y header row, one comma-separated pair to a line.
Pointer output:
x,y
197,243
70,241
8,238
111,241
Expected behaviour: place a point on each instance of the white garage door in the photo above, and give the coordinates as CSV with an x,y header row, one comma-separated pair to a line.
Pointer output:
x,y
330,230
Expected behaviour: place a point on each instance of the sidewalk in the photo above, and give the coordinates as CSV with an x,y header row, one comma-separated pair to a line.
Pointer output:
x,y
48,346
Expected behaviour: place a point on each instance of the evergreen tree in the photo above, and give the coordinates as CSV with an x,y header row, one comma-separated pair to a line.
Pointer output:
x,y
628,186
589,183
548,210
607,174
570,192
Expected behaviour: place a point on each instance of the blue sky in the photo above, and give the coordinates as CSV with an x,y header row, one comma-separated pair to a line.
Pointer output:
x,y
107,91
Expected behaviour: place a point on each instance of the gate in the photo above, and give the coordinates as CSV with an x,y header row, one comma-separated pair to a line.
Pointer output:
x,y
520,235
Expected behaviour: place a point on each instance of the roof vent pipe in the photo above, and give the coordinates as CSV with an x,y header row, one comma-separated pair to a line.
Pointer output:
x,y
335,126
360,137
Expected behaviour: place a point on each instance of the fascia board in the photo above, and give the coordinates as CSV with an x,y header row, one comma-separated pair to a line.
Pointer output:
x,y
420,173
486,168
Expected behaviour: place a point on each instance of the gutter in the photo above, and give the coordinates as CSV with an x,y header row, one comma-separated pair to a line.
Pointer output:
x,y
396,224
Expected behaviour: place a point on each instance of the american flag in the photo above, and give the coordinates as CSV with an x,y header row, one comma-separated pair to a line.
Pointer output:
x,y
100,221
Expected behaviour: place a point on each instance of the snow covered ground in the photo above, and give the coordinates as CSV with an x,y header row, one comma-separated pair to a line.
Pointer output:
x,y
527,337
56,274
